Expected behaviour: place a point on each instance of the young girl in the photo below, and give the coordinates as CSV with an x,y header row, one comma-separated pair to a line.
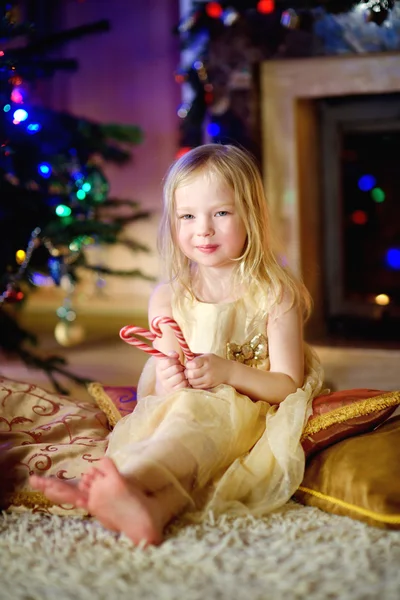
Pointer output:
x,y
208,434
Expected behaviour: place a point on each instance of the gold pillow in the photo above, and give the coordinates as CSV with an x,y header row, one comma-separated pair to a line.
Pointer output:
x,y
358,477
45,434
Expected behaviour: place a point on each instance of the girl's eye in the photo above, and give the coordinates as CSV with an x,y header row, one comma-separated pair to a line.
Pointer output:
x,y
186,217
222,213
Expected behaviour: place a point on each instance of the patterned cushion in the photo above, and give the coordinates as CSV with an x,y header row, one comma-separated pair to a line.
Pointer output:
x,y
115,401
358,477
346,413
45,434
335,416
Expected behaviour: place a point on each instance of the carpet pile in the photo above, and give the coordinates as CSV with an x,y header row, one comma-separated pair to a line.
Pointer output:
x,y
295,553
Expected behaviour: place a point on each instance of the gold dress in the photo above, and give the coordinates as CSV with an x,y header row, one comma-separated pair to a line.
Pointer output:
x,y
242,456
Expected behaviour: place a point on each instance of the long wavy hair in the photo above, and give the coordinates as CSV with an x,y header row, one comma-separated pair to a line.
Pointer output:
x,y
258,263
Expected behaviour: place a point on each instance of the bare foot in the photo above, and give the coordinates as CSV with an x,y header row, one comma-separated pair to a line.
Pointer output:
x,y
122,507
88,478
59,491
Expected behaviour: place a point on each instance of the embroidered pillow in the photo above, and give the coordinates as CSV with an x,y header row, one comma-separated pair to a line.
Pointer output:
x,y
114,401
346,413
358,477
46,434
335,416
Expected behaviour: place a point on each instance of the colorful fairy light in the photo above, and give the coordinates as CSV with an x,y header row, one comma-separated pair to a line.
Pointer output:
x,y
266,7
44,170
229,16
63,211
213,129
366,183
214,10
359,217
20,115
16,96
378,195
382,299
20,256
393,258
183,110
11,293
182,151
33,128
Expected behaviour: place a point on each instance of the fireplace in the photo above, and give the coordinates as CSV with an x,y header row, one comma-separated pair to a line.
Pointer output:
x,y
302,101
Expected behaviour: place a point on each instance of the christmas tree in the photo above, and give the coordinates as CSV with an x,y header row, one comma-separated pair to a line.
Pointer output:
x,y
54,196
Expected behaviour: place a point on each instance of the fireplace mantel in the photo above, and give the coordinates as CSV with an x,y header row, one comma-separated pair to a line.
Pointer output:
x,y
289,89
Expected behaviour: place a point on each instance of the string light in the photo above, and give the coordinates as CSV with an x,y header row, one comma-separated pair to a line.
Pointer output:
x,y
382,299
366,183
229,16
20,256
266,6
393,258
33,128
16,96
182,151
20,115
63,211
214,10
378,195
44,170
10,289
213,129
359,217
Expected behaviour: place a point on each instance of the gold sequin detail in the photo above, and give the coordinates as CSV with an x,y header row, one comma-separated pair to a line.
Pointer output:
x,y
251,353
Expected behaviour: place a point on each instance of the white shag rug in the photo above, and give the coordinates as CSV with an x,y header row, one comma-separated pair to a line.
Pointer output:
x,y
295,553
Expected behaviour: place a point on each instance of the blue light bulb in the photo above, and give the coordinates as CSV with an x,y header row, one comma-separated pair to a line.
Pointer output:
x,y
393,258
20,115
44,170
366,183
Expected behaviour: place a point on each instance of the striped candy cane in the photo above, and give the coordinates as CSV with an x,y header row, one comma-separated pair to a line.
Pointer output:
x,y
129,335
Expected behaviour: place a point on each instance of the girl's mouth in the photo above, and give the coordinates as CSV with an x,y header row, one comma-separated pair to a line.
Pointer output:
x,y
208,249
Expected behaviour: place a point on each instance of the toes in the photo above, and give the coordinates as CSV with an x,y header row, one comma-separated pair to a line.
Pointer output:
x,y
38,483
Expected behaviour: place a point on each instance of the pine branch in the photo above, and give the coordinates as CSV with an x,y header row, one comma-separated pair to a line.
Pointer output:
x,y
119,273
45,44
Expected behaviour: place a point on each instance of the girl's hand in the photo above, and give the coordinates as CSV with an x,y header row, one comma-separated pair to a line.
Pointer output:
x,y
207,371
170,374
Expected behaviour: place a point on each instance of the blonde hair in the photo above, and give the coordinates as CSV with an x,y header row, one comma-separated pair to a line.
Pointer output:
x,y
258,262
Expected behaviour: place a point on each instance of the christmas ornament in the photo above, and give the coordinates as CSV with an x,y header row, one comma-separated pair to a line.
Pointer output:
x,y
377,11
69,334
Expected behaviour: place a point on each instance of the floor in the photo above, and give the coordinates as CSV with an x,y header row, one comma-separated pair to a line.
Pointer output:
x,y
111,361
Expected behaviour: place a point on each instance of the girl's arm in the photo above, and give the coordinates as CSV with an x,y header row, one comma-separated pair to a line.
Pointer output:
x,y
170,374
286,352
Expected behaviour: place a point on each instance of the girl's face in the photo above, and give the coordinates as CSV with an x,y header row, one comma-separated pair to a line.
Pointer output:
x,y
210,231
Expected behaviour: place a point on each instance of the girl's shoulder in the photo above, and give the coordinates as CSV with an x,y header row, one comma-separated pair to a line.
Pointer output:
x,y
160,302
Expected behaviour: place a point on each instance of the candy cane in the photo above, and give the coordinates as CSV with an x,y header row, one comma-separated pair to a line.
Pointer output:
x,y
129,332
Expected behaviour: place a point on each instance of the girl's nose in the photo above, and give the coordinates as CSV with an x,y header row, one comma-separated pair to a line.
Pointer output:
x,y
205,228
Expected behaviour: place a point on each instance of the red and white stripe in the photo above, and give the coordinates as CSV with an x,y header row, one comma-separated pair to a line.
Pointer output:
x,y
129,335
